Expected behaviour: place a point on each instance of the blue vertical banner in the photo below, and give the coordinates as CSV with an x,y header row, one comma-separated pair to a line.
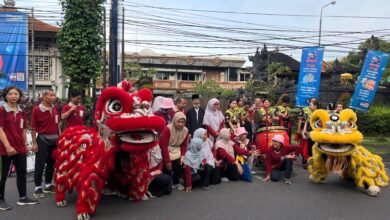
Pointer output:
x,y
13,49
369,79
309,75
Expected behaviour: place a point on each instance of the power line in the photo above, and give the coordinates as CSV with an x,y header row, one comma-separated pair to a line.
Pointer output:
x,y
132,4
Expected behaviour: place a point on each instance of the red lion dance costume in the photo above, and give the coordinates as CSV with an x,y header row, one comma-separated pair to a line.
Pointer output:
x,y
86,157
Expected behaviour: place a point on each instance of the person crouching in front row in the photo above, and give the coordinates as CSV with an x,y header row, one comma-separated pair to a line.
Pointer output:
x,y
196,171
280,158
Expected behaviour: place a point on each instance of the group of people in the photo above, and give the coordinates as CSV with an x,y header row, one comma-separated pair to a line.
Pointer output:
x,y
198,147
207,146
45,126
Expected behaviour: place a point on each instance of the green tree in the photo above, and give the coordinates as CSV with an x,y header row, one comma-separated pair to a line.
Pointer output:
x,y
136,72
228,94
80,41
208,88
277,69
356,58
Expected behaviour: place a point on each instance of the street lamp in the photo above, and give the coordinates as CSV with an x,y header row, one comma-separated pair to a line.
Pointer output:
x,y
319,38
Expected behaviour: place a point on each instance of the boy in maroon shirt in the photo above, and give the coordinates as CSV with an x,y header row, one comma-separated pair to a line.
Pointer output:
x,y
73,112
44,121
280,158
13,147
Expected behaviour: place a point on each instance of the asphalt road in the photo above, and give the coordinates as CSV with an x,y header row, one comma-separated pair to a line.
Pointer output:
x,y
335,200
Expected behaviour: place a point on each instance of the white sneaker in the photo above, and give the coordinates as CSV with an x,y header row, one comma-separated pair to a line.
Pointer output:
x,y
178,187
224,179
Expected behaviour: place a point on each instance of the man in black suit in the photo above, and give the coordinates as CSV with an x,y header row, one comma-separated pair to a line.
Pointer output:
x,y
195,115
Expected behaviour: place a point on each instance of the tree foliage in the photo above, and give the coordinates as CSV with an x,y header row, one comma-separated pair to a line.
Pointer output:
x,y
277,69
135,71
228,94
208,88
356,58
80,41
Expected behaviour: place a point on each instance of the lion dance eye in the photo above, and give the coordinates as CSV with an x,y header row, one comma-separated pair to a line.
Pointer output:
x,y
114,106
318,124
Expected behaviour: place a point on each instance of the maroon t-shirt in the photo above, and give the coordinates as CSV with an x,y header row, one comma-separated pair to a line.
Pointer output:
x,y
13,125
45,121
75,118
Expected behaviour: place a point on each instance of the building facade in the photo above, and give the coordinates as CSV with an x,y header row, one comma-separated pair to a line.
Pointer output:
x,y
176,74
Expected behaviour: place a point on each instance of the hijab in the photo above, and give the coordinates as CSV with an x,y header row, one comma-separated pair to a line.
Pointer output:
x,y
157,103
224,142
177,136
213,118
206,153
193,155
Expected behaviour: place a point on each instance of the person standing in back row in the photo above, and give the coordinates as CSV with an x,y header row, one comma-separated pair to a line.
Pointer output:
x,y
44,121
13,145
180,106
73,113
195,115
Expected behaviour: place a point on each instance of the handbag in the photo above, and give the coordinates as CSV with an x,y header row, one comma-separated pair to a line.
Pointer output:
x,y
246,174
48,140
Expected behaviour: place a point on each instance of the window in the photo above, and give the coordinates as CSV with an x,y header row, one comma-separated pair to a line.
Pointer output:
x,y
245,76
42,67
188,76
162,76
233,75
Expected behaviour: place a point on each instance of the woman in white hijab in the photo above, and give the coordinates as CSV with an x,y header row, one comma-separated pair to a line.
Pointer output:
x,y
226,151
213,120
173,142
157,103
211,165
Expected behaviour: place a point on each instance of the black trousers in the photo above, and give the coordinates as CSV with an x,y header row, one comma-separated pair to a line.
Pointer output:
x,y
209,175
310,144
231,172
20,162
286,167
196,180
177,171
43,157
205,175
248,128
160,185
215,176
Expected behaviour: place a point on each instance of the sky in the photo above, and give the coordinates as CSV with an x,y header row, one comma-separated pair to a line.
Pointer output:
x,y
238,27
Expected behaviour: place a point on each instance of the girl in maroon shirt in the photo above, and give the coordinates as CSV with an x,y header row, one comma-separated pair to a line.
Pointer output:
x,y
13,147
226,153
244,143
280,158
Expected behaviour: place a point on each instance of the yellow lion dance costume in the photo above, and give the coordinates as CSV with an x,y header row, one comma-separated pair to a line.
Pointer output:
x,y
337,150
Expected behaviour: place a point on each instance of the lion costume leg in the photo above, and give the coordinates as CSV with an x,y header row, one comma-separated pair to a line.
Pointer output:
x,y
368,171
90,191
317,166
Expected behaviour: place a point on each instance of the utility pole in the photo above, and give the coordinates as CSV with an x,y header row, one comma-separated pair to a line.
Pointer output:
x,y
104,82
33,52
114,37
123,45
110,57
